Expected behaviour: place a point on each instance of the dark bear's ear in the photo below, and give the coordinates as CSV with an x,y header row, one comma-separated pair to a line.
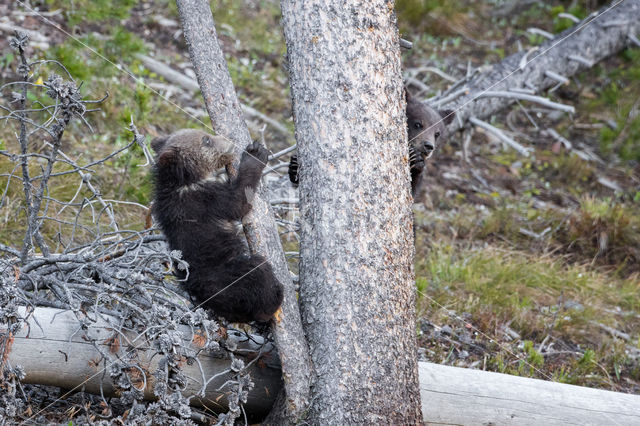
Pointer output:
x,y
158,143
171,165
167,158
407,95
447,115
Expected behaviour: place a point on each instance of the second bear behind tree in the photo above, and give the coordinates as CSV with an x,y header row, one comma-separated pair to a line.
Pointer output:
x,y
199,216
425,129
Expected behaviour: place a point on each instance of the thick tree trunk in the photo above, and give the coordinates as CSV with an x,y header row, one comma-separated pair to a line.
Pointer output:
x,y
356,275
260,226
601,35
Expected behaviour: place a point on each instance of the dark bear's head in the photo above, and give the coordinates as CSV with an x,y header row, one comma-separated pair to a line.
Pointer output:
x,y
188,155
425,126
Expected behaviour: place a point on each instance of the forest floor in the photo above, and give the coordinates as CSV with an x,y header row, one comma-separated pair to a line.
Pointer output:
x,y
524,265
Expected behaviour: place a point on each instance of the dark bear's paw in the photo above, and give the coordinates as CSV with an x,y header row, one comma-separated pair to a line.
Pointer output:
x,y
293,170
256,153
416,162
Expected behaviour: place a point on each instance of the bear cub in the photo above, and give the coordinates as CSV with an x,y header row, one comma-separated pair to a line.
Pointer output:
x,y
199,217
425,128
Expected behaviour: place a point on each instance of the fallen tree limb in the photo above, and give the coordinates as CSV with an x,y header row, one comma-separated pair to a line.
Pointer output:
x,y
54,351
169,74
499,134
602,34
460,396
260,226
191,85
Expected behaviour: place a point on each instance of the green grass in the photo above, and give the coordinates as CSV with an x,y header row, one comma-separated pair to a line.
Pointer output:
x,y
537,296
81,11
603,231
618,99
413,12
256,60
256,65
606,230
84,65
509,284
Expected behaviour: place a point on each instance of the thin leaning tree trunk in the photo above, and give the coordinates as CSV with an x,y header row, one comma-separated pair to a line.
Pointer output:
x,y
260,226
356,270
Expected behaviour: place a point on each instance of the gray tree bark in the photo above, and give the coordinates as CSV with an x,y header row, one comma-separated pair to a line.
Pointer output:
x,y
356,269
260,226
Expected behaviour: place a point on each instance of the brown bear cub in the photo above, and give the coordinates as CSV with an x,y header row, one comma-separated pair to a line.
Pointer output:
x,y
425,128
199,214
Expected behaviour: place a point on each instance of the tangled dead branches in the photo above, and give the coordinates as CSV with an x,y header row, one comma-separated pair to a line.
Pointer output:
x,y
102,276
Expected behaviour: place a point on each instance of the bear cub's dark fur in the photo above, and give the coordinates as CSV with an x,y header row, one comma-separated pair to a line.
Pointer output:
x,y
199,216
425,128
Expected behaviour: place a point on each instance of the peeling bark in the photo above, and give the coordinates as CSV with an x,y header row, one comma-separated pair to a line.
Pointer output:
x,y
356,271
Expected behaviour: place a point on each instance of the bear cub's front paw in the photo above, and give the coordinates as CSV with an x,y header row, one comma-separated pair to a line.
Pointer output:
x,y
256,155
416,162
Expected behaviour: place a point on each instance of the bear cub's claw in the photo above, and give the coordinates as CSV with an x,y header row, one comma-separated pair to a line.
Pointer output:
x,y
257,152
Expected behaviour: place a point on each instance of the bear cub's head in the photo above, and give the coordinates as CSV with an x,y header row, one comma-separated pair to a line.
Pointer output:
x,y
425,126
189,155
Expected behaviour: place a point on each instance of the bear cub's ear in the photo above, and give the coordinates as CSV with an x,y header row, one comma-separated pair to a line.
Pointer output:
x,y
167,158
407,95
158,143
447,115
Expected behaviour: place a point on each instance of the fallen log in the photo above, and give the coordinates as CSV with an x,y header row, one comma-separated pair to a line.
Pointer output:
x,y
191,85
600,35
460,396
54,350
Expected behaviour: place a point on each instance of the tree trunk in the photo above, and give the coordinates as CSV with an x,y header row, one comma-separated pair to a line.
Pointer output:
x,y
600,35
356,270
260,226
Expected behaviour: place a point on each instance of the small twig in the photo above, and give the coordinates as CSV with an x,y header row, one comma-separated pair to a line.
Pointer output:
x,y
569,16
557,136
417,83
500,134
283,152
434,70
436,102
557,77
612,331
584,61
526,97
543,33
406,44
